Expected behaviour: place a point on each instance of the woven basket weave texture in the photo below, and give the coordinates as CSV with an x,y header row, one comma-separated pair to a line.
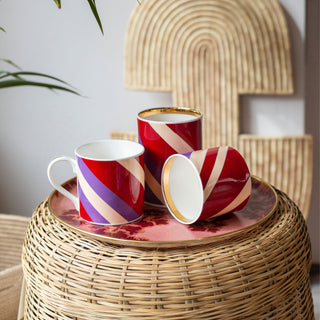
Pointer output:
x,y
12,232
259,274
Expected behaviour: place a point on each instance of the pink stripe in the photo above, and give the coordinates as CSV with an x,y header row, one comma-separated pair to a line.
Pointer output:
x,y
171,138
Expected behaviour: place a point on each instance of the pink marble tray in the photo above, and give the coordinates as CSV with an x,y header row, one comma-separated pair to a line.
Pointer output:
x,y
159,229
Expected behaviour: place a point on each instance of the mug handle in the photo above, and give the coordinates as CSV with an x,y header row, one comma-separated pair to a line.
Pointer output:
x,y
57,186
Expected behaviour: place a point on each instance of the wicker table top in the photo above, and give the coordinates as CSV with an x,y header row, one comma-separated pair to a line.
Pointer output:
x,y
259,274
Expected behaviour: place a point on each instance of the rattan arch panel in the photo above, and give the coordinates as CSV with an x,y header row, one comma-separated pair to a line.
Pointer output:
x,y
207,53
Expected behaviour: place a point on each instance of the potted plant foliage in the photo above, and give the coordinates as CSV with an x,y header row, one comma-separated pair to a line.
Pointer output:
x,y
19,77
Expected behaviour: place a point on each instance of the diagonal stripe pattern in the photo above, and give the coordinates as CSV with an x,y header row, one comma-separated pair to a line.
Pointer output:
x,y
173,139
162,140
152,170
225,178
100,202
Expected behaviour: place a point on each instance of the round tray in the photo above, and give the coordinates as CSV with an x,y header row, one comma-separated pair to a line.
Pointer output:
x,y
158,228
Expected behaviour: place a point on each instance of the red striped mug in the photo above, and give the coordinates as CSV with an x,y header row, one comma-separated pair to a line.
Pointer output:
x,y
110,179
206,183
163,132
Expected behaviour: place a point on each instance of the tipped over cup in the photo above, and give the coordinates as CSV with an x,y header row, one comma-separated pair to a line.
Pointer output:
x,y
204,184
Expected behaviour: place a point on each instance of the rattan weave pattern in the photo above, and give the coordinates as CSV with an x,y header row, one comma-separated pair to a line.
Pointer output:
x,y
12,232
260,274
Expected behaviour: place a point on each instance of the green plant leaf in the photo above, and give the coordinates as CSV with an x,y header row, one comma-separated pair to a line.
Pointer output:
x,y
1,29
21,82
58,3
5,74
11,63
94,10
36,74
92,4
11,79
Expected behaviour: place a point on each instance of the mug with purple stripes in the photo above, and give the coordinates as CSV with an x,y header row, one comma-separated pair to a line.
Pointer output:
x,y
206,183
110,179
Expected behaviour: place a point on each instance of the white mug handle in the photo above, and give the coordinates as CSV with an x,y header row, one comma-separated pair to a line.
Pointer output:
x,y
57,186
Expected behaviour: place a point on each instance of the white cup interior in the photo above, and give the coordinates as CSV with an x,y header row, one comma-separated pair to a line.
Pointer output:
x,y
182,189
171,117
110,150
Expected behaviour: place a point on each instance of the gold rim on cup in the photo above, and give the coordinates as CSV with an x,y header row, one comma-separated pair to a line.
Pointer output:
x,y
143,115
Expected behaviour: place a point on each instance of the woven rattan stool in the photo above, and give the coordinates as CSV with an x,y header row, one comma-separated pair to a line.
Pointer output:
x,y
260,274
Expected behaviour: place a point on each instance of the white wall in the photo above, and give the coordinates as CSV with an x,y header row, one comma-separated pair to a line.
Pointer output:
x,y
37,125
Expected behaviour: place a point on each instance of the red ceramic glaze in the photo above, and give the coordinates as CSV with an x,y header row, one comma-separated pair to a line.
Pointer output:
x,y
111,179
206,183
120,186
232,179
163,132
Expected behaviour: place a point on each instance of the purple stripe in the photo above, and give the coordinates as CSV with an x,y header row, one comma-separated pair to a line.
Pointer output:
x,y
188,154
155,171
90,209
153,168
150,197
106,194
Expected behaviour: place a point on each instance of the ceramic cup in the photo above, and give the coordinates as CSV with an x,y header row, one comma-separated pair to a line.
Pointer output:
x,y
110,179
163,132
207,183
